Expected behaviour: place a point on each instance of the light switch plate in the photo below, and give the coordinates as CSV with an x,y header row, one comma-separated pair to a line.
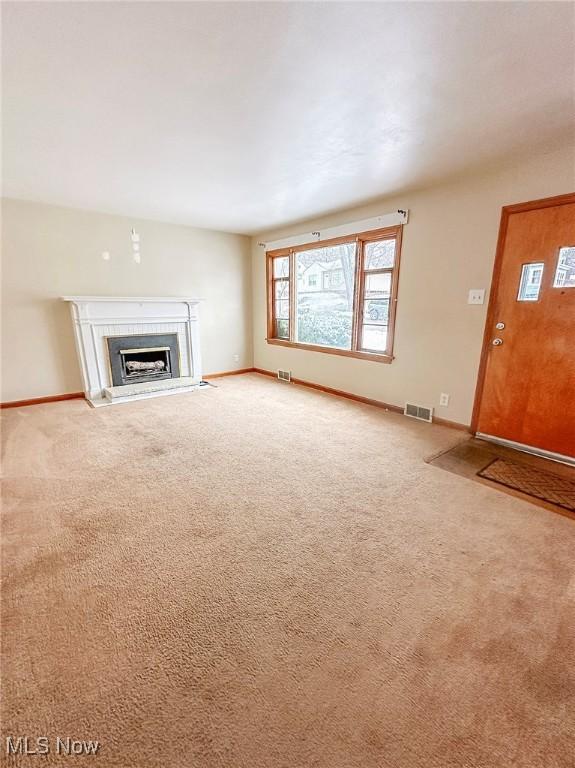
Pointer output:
x,y
476,296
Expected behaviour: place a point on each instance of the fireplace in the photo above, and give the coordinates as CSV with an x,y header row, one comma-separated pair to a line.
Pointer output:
x,y
105,326
150,357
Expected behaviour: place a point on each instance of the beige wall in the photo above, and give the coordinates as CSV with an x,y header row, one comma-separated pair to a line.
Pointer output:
x,y
49,251
448,248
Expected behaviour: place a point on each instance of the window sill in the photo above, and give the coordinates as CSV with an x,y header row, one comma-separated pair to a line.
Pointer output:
x,y
373,356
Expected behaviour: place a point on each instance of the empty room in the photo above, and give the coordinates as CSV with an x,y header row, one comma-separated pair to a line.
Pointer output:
x,y
288,384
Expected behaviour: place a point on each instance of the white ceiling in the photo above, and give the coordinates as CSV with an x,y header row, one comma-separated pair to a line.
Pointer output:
x,y
244,116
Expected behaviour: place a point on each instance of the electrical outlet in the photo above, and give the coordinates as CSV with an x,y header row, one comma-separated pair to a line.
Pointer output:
x,y
236,358
443,399
476,296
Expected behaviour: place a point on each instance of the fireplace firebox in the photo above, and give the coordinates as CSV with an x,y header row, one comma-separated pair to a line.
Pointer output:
x,y
150,357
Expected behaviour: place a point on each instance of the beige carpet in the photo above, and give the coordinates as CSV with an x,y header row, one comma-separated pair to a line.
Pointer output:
x,y
262,576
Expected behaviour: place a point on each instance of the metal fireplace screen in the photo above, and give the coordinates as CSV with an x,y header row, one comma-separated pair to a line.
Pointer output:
x,y
134,359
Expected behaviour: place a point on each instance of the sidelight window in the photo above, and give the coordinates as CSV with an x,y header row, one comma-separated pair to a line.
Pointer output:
x,y
281,296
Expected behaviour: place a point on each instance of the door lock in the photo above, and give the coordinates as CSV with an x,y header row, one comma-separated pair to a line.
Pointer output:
x,y
497,342
500,326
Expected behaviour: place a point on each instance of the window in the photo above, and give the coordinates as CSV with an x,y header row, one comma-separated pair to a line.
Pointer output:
x,y
530,283
281,301
565,272
336,296
325,317
376,283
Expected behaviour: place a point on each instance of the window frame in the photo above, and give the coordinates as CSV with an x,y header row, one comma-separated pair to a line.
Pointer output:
x,y
271,283
361,239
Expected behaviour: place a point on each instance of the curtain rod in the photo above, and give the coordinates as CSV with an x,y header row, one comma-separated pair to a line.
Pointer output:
x,y
363,225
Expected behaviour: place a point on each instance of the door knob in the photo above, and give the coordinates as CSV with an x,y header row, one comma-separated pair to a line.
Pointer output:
x,y
497,342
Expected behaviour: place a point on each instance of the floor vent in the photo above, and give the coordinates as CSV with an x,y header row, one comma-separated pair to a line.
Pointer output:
x,y
418,412
284,375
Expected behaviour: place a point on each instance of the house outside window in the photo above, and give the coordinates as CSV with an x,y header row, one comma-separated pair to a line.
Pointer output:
x,y
333,279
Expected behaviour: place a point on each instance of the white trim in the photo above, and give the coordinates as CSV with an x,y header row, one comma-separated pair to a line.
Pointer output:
x,y
528,449
134,319
351,228
136,299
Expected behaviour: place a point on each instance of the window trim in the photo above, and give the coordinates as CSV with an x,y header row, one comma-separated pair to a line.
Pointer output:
x,y
361,239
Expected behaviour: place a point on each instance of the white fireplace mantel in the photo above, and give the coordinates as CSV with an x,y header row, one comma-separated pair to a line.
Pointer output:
x,y
97,317
130,299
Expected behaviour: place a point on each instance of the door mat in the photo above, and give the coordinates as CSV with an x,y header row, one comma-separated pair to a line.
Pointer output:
x,y
532,481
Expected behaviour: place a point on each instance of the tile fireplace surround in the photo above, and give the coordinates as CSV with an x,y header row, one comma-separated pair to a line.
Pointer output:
x,y
95,318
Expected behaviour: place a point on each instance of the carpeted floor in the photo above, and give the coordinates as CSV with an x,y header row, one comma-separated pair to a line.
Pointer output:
x,y
263,576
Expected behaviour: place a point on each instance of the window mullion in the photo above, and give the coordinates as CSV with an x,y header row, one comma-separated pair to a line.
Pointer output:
x,y
292,290
380,271
357,291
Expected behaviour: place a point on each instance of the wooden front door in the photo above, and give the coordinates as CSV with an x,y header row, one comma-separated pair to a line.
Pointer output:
x,y
526,387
